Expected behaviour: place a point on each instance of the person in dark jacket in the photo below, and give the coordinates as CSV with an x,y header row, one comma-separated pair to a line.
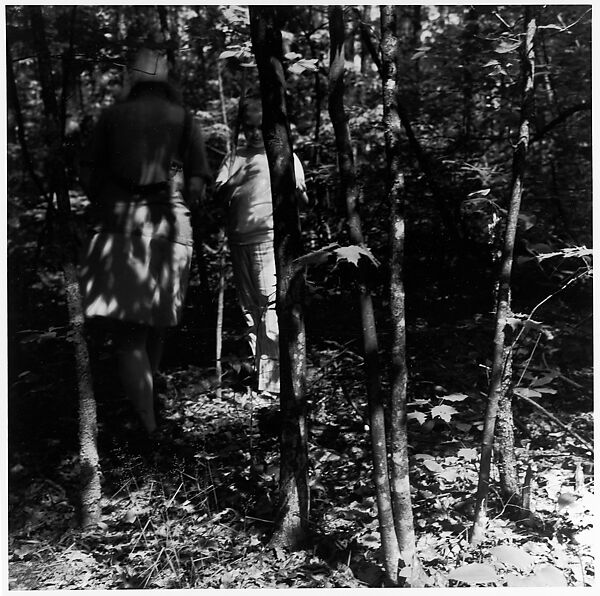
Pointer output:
x,y
147,171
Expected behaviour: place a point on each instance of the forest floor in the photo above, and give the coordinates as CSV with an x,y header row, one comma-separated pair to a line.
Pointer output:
x,y
198,514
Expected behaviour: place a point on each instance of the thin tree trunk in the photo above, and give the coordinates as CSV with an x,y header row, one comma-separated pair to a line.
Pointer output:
x,y
220,312
409,26
442,194
88,430
469,49
403,515
89,462
66,73
318,97
221,250
14,101
503,309
170,34
366,39
505,438
391,552
293,505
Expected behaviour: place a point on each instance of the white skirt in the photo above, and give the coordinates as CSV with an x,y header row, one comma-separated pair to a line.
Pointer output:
x,y
135,278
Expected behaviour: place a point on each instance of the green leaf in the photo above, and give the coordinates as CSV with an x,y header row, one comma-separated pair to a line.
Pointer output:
x,y
478,194
352,254
454,397
443,412
468,454
513,557
551,26
474,573
507,46
527,220
527,392
420,417
433,466
418,55
229,54
449,474
301,65
545,379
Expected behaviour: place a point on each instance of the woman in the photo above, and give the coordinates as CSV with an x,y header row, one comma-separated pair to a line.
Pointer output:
x,y
244,184
148,169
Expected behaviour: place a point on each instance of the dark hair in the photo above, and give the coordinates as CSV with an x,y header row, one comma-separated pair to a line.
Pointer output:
x,y
249,101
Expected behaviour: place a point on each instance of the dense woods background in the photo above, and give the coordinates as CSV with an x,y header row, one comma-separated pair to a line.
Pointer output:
x,y
202,514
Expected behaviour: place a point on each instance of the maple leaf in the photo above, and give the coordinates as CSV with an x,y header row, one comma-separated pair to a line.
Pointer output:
x,y
420,417
352,254
443,412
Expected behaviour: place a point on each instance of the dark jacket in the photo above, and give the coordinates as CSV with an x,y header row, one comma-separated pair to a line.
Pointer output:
x,y
136,149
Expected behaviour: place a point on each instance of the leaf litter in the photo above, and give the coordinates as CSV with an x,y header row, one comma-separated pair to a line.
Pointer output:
x,y
200,516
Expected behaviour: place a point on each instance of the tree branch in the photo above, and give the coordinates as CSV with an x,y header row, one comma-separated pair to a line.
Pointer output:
x,y
554,419
366,39
585,105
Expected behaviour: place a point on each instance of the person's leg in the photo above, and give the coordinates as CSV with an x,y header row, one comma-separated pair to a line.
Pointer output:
x,y
267,348
135,370
246,290
155,345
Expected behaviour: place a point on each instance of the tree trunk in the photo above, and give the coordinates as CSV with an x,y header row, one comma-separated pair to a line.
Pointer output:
x,y
14,102
409,27
170,35
350,192
293,505
470,48
442,193
503,308
88,430
505,439
221,250
403,515
316,153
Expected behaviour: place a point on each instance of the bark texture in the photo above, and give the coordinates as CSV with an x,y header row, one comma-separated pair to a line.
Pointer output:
x,y
403,516
503,308
88,430
350,192
293,506
504,446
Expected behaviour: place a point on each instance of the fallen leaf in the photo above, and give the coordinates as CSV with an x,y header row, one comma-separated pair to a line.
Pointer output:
x,y
474,573
513,557
443,412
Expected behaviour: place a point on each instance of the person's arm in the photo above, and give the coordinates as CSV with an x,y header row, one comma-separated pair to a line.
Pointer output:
x,y
300,181
196,191
230,176
196,169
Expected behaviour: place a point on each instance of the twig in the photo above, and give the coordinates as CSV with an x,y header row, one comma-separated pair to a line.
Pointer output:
x,y
509,27
564,286
556,420
537,341
567,27
173,497
260,519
